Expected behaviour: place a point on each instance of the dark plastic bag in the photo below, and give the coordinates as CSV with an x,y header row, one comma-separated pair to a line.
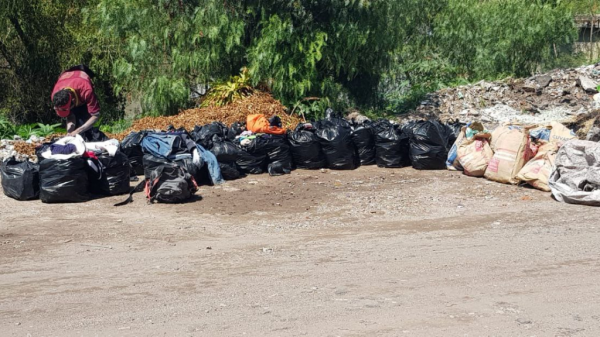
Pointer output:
x,y
230,171
204,135
306,149
391,145
279,156
335,136
364,141
454,128
20,180
64,180
115,175
151,163
131,147
253,158
225,150
429,145
235,130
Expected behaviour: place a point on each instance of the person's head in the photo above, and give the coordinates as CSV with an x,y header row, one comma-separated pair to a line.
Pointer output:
x,y
62,102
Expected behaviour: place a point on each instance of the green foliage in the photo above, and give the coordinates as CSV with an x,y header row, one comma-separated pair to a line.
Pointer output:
x,y
25,131
495,38
225,93
117,126
44,130
382,56
162,48
311,108
7,128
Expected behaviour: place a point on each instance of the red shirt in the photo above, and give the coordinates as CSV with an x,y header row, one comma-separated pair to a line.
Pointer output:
x,y
81,83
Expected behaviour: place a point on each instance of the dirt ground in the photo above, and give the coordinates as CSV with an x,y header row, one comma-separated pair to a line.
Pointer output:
x,y
370,252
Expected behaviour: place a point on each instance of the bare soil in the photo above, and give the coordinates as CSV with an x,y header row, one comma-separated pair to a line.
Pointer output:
x,y
370,252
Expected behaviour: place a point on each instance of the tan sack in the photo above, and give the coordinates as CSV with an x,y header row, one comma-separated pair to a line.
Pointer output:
x,y
474,156
560,133
537,171
511,152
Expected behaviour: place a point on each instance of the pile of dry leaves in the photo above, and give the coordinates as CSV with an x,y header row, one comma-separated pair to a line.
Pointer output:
x,y
258,103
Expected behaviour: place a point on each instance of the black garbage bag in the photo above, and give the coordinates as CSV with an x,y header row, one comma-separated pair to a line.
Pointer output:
x,y
453,129
335,136
253,158
235,130
115,175
306,149
429,145
225,150
131,147
391,145
230,171
20,180
204,135
279,157
364,141
64,180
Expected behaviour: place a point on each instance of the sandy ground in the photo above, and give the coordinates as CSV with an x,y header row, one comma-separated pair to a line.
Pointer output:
x,y
371,252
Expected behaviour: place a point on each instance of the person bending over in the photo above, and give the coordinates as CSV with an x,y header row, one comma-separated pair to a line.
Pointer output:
x,y
73,98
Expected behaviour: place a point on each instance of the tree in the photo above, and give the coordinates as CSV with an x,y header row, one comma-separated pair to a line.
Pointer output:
x,y
163,48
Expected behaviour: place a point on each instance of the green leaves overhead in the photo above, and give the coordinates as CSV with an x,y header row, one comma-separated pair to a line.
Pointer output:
x,y
293,46
364,53
510,37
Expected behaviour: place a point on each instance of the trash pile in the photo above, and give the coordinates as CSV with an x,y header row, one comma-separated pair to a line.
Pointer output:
x,y
175,162
555,96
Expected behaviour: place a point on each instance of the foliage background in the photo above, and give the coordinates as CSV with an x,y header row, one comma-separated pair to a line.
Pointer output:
x,y
378,56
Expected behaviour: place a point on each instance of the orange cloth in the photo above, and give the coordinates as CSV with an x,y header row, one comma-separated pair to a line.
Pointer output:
x,y
260,124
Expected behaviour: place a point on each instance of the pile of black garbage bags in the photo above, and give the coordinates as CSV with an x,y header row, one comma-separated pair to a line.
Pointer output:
x,y
228,153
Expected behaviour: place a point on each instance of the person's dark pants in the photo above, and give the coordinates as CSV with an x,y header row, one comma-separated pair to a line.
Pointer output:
x,y
93,134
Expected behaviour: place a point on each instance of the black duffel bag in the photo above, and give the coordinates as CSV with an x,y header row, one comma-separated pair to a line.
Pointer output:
x,y
64,180
20,180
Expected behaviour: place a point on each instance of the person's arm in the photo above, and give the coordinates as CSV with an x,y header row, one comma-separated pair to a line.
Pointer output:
x,y
86,126
71,120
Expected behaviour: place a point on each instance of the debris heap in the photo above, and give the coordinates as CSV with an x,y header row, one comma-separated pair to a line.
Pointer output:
x,y
558,95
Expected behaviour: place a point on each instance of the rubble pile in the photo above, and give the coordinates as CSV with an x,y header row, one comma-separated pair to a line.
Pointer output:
x,y
21,150
555,96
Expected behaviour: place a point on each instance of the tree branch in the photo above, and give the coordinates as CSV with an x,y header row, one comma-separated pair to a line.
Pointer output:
x,y
20,32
